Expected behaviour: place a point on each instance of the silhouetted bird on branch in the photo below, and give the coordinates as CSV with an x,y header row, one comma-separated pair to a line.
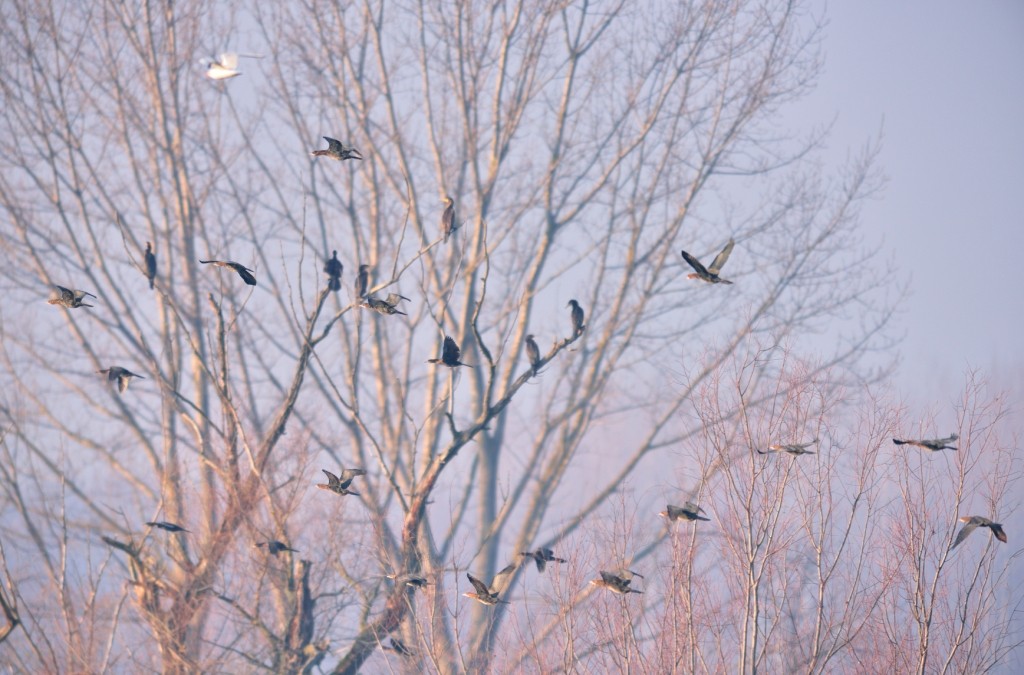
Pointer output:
x,y
577,318
710,273
448,223
150,264
362,281
532,353
333,269
242,270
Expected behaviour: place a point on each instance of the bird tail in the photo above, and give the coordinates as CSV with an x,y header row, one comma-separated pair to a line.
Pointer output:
x,y
334,284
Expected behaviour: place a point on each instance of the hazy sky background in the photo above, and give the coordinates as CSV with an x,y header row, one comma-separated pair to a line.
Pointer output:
x,y
944,82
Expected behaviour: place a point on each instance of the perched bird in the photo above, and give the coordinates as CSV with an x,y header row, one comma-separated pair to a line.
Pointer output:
x,y
488,595
339,484
450,354
363,281
972,523
337,150
709,274
333,270
532,353
164,525
411,580
617,582
222,67
387,306
150,264
67,297
688,511
122,375
242,270
794,449
275,547
577,318
931,444
398,647
448,224
542,556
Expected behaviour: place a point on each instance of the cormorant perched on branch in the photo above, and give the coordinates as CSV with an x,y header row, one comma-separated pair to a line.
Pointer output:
x,y
448,224
243,271
709,274
150,264
532,352
333,269
362,281
577,318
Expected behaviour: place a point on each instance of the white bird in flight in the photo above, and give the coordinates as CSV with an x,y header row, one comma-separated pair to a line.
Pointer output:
x,y
224,66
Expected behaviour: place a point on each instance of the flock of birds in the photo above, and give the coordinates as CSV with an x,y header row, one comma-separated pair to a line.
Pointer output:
x,y
618,581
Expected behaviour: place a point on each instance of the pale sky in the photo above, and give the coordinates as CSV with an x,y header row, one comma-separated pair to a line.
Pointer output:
x,y
944,82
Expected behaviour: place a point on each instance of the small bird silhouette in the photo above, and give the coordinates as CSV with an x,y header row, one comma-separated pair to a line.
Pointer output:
x,y
448,223
450,354
122,375
274,547
533,353
387,306
973,522
150,264
488,595
577,318
362,281
688,511
333,270
243,271
339,484
337,150
931,444
68,297
795,449
398,647
709,274
542,556
618,581
164,525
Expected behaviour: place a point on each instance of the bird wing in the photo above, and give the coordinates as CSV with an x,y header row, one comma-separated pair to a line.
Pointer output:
x,y
244,272
451,352
334,145
481,587
693,508
394,298
964,531
331,478
695,264
228,60
997,530
720,259
349,474
502,579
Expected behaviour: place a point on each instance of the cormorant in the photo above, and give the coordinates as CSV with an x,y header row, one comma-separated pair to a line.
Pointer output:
x,y
709,274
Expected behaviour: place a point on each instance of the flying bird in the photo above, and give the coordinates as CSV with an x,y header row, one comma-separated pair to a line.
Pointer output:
x,y
122,375
411,580
68,297
795,449
931,444
362,281
339,484
577,318
450,354
972,523
150,264
532,353
488,595
709,274
164,525
617,582
688,511
448,224
387,306
243,271
275,547
337,150
333,270
224,66
542,556
398,647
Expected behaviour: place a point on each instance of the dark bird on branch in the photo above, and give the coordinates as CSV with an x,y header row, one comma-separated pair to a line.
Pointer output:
x,y
448,224
387,306
275,547
617,582
794,449
67,297
337,150
122,375
333,269
243,271
362,281
450,354
339,484
164,525
150,264
577,318
488,595
931,444
532,353
688,511
542,556
398,647
709,274
973,522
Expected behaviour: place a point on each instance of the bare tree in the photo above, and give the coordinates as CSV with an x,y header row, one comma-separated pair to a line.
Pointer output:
x,y
580,159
